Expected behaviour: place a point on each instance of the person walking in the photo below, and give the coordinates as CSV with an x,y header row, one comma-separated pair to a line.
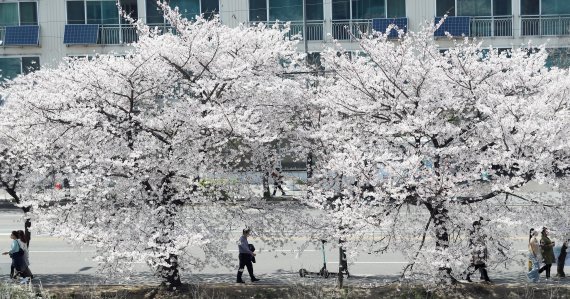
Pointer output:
x,y
245,257
530,237
561,260
277,177
479,253
547,250
534,256
22,241
17,255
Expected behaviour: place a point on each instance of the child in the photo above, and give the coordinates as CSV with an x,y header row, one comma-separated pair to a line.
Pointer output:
x,y
561,260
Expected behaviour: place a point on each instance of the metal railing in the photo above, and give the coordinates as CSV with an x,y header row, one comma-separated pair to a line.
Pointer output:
x,y
162,27
487,26
549,25
117,34
315,29
2,34
346,29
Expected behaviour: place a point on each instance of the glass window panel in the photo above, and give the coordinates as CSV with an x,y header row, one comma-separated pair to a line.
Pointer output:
x,y
188,8
341,9
109,12
257,10
314,9
445,7
75,12
28,13
473,7
555,7
396,8
30,64
502,8
9,68
9,14
130,7
368,9
530,7
94,12
286,10
210,8
153,13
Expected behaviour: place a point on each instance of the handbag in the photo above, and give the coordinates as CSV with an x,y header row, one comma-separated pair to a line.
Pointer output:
x,y
252,248
18,253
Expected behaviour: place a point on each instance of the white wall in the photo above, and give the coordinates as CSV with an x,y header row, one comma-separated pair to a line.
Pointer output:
x,y
52,19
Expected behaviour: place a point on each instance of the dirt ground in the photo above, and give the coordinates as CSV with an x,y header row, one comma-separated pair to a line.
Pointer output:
x,y
231,291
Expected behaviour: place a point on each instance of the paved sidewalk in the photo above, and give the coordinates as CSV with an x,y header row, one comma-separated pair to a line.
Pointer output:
x,y
277,279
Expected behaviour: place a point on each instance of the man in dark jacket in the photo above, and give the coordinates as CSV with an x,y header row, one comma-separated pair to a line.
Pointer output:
x,y
479,253
245,257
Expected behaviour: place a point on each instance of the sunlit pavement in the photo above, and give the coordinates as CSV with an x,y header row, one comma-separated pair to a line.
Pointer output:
x,y
55,262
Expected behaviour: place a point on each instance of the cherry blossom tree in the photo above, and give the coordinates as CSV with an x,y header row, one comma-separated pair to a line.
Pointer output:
x,y
152,141
420,143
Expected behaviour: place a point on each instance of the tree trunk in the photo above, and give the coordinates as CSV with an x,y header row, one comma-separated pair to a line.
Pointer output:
x,y
310,165
342,264
441,218
169,274
28,223
265,182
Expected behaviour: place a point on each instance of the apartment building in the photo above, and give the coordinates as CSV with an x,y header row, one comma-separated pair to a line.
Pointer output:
x,y
36,33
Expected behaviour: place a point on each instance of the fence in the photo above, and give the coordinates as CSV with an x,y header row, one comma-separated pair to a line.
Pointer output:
x,y
117,34
491,26
346,29
549,25
315,29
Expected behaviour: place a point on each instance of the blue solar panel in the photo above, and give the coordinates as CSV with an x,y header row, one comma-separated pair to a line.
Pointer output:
x,y
22,35
456,26
82,34
380,25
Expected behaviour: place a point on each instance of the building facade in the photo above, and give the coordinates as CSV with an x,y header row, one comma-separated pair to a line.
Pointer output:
x,y
36,33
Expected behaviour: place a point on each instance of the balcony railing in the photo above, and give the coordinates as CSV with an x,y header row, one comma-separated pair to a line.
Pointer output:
x,y
548,25
347,29
162,27
100,34
475,26
315,29
491,26
117,34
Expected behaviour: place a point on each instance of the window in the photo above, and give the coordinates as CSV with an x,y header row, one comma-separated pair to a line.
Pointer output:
x,y
555,7
474,7
18,13
545,7
10,67
188,9
98,12
257,10
368,9
558,58
285,10
545,17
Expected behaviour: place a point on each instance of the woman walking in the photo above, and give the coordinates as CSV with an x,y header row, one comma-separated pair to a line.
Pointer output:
x,y
533,255
17,255
547,250
23,241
